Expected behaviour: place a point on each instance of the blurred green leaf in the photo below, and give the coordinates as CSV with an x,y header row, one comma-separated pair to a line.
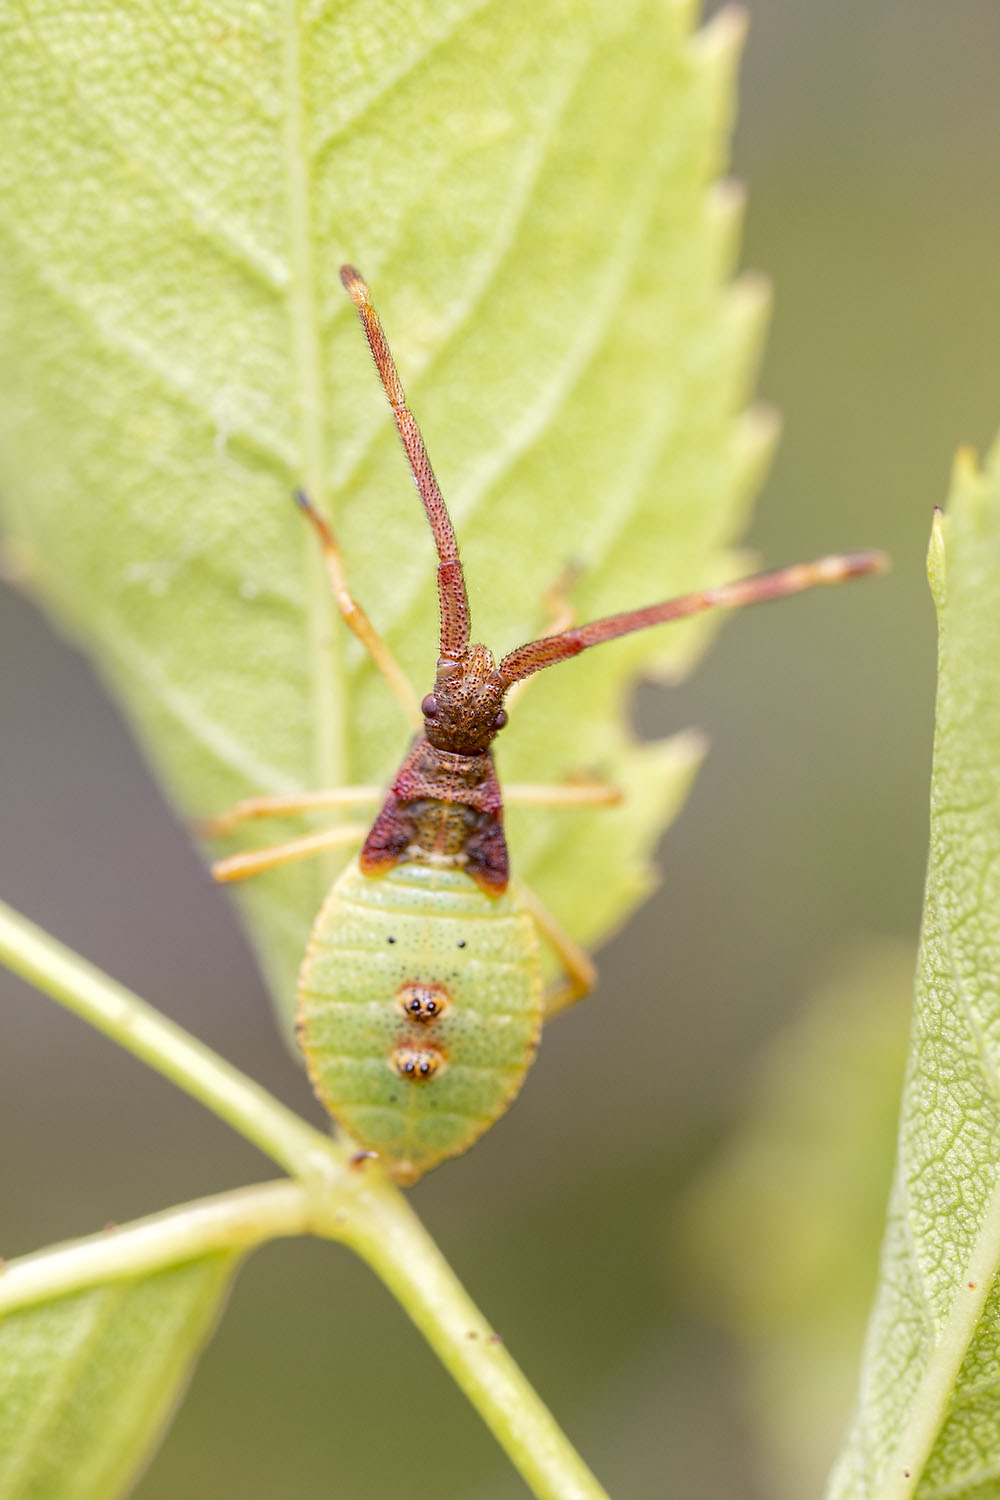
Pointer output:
x,y
928,1422
805,1178
88,1381
529,190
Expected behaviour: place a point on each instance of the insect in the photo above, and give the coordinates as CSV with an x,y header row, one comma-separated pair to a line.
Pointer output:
x,y
421,999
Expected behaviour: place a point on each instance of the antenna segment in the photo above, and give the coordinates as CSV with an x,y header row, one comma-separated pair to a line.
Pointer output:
x,y
452,598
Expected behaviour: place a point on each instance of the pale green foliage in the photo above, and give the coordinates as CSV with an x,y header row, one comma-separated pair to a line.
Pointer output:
x,y
86,1381
529,190
805,1176
928,1421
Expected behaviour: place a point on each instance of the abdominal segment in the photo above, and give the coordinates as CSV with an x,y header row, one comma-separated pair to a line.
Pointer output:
x,y
420,1003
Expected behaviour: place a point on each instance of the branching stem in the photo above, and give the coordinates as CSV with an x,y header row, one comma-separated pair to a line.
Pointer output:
x,y
165,1046
335,1197
230,1221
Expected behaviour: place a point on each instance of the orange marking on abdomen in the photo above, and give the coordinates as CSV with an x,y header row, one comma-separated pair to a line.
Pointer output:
x,y
417,1064
422,1001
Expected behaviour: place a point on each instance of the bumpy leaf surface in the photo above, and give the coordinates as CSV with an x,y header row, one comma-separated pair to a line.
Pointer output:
x,y
928,1420
528,187
88,1380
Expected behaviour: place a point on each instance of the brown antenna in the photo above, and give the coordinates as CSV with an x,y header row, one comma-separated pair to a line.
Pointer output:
x,y
550,649
452,598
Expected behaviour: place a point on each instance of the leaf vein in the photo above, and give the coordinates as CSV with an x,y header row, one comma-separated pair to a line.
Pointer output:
x,y
173,380
978,1035
268,270
390,83
59,1390
225,748
581,353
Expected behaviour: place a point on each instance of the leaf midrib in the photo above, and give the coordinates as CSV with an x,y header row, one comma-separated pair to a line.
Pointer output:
x,y
329,749
60,1390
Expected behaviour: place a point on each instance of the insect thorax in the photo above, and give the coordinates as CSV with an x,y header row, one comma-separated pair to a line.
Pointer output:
x,y
442,807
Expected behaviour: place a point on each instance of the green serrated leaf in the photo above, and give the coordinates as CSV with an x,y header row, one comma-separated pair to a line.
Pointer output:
x,y
529,189
87,1381
928,1422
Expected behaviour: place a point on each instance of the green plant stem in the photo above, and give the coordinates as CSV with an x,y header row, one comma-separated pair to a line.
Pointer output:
x,y
226,1222
140,1029
334,1199
395,1244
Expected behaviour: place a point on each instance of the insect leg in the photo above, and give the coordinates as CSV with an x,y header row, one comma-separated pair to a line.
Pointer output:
x,y
220,824
561,615
562,794
255,861
580,972
354,616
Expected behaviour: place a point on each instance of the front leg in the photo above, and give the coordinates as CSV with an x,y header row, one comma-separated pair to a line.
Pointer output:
x,y
281,806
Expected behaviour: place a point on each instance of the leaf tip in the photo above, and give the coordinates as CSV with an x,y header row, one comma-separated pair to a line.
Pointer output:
x,y
725,206
18,565
688,748
716,50
728,196
747,304
751,295
937,562
756,435
726,32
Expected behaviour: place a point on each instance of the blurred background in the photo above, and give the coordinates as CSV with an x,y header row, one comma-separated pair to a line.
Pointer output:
x,y
676,1228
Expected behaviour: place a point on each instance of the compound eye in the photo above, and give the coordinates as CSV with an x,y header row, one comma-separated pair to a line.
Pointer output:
x,y
429,706
500,718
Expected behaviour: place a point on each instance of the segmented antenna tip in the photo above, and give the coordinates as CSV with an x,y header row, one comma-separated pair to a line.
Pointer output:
x,y
312,514
860,563
355,286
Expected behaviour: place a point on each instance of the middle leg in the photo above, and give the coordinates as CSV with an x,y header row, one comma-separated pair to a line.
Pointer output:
x,y
581,793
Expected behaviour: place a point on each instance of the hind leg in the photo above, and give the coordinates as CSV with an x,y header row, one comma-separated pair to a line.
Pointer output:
x,y
580,973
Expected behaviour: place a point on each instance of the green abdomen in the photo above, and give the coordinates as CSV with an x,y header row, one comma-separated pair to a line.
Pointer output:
x,y
420,1003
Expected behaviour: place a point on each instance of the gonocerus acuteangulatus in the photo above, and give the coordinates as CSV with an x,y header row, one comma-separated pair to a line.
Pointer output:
x,y
420,996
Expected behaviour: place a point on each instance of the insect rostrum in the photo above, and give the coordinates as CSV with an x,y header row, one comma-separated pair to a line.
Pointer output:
x,y
420,996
